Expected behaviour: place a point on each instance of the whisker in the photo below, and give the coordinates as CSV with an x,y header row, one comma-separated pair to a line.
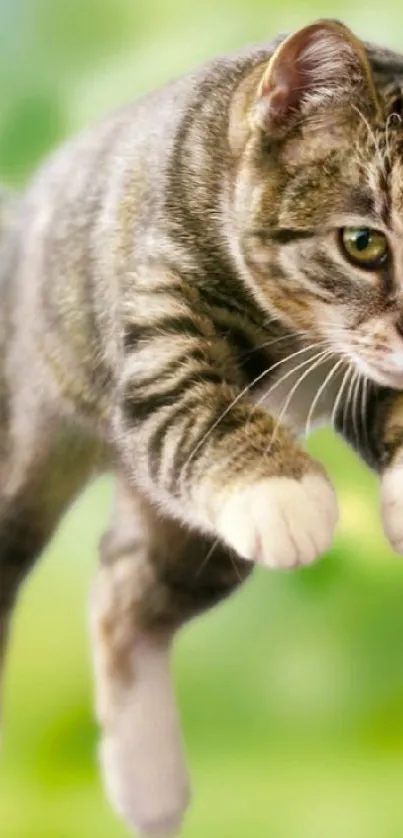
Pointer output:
x,y
207,558
348,399
347,375
355,417
236,568
364,402
238,398
317,361
319,392
284,377
266,345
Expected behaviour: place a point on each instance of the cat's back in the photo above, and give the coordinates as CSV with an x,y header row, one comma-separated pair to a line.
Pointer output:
x,y
98,204
141,135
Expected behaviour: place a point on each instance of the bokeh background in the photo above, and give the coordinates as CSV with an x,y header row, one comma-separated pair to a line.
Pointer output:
x,y
291,694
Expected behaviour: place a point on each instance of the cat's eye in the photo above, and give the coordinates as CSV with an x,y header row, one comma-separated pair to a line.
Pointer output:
x,y
364,247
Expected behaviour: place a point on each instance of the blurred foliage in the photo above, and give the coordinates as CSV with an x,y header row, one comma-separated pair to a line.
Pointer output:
x,y
291,693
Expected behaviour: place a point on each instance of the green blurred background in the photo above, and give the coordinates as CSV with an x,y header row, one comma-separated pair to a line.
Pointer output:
x,y
292,693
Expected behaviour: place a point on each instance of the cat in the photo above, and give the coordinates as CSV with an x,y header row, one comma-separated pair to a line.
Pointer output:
x,y
185,289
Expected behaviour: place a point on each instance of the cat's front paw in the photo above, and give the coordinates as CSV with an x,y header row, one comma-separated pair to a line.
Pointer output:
x,y
280,522
392,506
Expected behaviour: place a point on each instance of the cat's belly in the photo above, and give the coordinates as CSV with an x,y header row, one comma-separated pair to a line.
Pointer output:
x,y
303,395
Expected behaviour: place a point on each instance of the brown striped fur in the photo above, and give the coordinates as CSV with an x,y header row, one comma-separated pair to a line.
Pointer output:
x,y
169,281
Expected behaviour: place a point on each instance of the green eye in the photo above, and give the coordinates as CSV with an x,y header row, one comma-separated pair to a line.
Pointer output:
x,y
364,247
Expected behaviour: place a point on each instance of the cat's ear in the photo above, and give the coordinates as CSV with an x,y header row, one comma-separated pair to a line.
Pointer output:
x,y
313,75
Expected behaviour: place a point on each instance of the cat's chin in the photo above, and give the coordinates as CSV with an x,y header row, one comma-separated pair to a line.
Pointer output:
x,y
379,374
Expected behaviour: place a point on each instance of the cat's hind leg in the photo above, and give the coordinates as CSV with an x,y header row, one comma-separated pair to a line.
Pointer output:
x,y
23,536
37,482
154,575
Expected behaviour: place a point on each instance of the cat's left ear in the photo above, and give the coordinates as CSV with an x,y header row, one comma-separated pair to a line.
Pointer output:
x,y
313,76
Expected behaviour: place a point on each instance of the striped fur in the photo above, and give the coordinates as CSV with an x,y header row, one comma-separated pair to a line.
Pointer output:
x,y
176,308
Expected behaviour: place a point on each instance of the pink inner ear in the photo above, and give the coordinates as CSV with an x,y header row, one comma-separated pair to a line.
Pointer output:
x,y
283,89
308,70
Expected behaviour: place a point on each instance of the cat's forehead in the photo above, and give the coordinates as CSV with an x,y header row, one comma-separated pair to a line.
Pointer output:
x,y
374,162
395,195
379,175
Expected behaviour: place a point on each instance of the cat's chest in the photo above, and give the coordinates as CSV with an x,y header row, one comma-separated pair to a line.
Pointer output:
x,y
303,394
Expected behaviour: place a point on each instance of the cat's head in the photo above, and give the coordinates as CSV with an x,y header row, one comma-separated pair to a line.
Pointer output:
x,y
319,196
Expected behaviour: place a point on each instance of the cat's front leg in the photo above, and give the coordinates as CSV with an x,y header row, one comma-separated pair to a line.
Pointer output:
x,y
193,441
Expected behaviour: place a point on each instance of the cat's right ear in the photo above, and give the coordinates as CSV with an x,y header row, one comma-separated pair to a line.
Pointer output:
x,y
314,76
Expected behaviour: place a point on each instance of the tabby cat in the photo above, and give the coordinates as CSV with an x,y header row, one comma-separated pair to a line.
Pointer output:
x,y
185,289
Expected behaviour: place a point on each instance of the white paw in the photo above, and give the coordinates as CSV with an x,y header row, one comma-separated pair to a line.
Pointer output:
x,y
141,751
392,506
281,522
